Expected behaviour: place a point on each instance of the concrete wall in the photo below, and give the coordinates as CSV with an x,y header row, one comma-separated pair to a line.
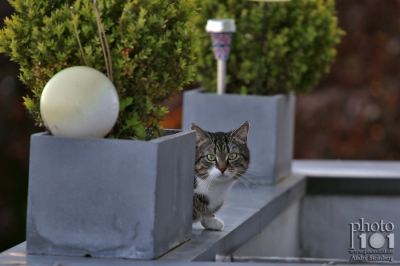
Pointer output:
x,y
319,226
278,238
325,223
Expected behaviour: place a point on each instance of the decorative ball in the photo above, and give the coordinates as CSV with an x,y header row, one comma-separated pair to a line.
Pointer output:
x,y
79,102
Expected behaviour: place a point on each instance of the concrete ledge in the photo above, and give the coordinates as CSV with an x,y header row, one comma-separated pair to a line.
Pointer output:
x,y
248,209
340,168
246,212
326,177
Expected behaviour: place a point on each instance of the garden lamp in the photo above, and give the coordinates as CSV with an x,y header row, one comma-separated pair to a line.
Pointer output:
x,y
221,36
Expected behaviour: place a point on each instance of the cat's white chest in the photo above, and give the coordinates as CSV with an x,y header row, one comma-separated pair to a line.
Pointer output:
x,y
216,191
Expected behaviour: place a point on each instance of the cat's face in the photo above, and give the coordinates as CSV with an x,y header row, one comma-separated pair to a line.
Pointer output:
x,y
221,157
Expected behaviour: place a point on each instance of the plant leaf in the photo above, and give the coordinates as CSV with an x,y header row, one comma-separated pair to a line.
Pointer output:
x,y
125,103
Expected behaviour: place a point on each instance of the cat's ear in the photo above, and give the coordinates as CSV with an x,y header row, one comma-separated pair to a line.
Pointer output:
x,y
201,135
241,132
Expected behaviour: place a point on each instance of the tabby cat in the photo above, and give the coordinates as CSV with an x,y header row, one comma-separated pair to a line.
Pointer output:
x,y
221,159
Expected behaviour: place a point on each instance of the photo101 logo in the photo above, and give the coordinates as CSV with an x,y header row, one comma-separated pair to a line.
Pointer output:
x,y
371,241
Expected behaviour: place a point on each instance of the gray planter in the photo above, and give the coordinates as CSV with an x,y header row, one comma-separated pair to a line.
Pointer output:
x,y
110,198
271,132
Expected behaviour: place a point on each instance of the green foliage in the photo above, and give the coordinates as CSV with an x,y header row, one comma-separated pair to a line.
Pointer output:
x,y
151,46
300,37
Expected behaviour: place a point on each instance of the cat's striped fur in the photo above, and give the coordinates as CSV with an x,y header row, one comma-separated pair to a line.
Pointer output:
x,y
221,159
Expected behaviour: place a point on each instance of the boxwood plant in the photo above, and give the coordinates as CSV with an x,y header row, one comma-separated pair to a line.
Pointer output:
x,y
299,45
150,44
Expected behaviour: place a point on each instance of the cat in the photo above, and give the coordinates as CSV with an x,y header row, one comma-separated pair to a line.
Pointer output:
x,y
221,159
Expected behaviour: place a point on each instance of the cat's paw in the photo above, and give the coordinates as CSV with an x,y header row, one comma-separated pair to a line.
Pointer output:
x,y
212,223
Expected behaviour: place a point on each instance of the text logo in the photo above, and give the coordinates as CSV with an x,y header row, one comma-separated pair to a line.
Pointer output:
x,y
371,241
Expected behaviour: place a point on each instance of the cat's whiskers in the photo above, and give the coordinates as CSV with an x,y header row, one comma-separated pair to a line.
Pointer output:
x,y
200,180
239,184
248,189
254,164
251,182
204,185
254,173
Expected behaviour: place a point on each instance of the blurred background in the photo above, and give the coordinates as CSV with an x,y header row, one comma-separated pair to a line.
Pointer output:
x,y
353,113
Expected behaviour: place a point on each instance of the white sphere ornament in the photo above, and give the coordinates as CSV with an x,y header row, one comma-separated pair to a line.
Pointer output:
x,y
79,102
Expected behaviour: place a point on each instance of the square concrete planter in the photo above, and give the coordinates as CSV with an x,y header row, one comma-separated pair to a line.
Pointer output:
x,y
110,198
271,132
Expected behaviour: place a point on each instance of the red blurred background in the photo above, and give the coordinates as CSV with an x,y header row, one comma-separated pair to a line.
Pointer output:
x,y
353,113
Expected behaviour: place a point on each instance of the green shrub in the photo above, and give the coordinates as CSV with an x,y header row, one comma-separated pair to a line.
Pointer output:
x,y
300,37
150,42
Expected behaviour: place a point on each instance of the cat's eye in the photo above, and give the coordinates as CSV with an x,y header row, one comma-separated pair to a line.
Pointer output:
x,y
210,157
232,156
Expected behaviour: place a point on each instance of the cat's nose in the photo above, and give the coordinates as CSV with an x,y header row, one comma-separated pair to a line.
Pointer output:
x,y
222,170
